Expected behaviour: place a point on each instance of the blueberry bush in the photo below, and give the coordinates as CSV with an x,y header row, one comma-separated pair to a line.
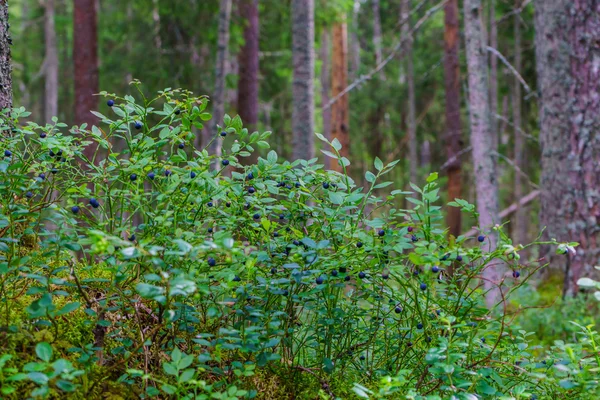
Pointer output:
x,y
154,270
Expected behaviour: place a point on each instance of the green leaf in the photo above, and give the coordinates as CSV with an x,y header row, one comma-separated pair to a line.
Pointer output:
x,y
44,351
68,308
335,143
378,164
370,177
272,157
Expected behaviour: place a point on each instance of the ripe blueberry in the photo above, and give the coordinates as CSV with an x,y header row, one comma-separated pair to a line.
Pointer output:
x,y
131,238
296,243
325,185
359,245
256,216
94,203
334,272
225,162
275,234
181,145
210,230
398,310
151,175
228,204
212,262
435,269
51,153
138,125
414,238
223,134
54,170
192,174
209,204
410,228
419,326
273,270
481,238
7,153
381,232
237,279
110,103
362,275
347,278
29,195
132,177
177,112
319,280
459,258
74,209
168,172
516,274
250,176
251,190
385,276
42,176
281,216
423,286
43,135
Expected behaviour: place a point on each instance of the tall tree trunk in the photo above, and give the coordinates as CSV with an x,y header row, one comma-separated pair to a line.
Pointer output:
x,y
326,87
218,96
248,69
493,76
339,82
411,123
484,160
156,31
355,42
377,37
5,58
520,218
303,39
85,60
567,52
51,63
453,141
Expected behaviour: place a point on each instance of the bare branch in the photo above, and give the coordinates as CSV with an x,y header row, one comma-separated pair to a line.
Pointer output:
x,y
511,68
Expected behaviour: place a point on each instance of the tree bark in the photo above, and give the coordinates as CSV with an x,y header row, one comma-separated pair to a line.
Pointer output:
x,y
326,87
411,124
493,76
453,141
484,159
51,64
218,96
355,42
248,70
85,60
520,220
377,37
303,39
339,82
5,58
567,52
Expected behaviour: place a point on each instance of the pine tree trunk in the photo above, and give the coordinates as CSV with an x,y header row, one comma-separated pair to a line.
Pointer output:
x,y
5,58
520,217
303,38
85,60
326,87
567,52
51,63
377,37
493,76
484,160
355,42
411,124
218,97
339,82
247,96
453,141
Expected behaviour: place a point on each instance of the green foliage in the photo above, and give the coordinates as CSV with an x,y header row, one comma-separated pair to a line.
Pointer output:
x,y
156,272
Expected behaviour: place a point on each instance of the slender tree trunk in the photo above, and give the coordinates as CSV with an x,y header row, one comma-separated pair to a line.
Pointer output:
x,y
453,141
303,39
355,42
326,87
567,52
5,58
339,82
520,218
156,19
377,37
218,96
51,63
85,60
248,69
493,76
484,160
411,124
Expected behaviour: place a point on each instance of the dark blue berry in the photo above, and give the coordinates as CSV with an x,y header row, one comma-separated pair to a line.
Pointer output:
x,y
181,145
362,358
110,103
256,216
385,276
423,286
209,204
177,112
325,185
516,274
381,232
459,258
246,205
131,238
481,238
359,245
296,243
151,175
275,234
419,326
273,270
237,279
29,195
250,176
414,238
223,134
212,262
54,170
362,275
51,153
42,176
435,269
334,272
94,203
138,125
347,278
398,310
297,184
74,209
251,190
7,153
132,177
210,230
192,174
168,172
225,162
228,204
43,135
319,280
